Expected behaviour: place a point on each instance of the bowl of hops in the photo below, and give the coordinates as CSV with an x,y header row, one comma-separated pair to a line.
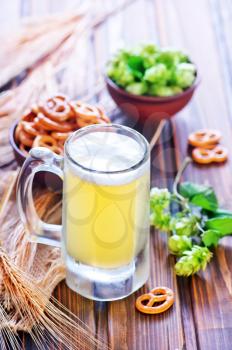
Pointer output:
x,y
50,123
151,82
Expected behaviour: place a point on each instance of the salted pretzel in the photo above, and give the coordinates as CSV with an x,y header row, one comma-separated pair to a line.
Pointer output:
x,y
60,136
25,138
17,132
57,149
48,142
56,108
44,141
28,116
163,296
85,110
51,125
202,155
29,127
23,148
204,138
87,114
102,115
219,154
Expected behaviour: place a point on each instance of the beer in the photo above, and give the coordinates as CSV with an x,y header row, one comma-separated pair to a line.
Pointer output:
x,y
106,210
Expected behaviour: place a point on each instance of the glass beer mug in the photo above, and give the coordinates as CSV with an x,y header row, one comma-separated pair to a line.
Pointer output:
x,y
105,213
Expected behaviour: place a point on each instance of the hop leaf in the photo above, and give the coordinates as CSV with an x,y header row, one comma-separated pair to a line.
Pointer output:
x,y
178,244
210,238
193,260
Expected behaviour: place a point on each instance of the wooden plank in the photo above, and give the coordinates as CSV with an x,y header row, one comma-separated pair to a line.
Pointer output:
x,y
190,24
127,328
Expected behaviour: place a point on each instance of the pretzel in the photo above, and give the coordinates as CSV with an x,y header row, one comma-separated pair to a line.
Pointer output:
x,y
87,114
56,108
29,127
17,132
84,110
44,141
103,116
204,138
25,138
220,154
60,136
28,116
202,155
51,125
22,147
205,156
162,295
57,149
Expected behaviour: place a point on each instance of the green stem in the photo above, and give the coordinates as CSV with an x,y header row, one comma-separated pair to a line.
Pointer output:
x,y
200,228
182,168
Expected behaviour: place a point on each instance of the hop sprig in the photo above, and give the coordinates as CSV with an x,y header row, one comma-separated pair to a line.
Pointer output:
x,y
192,229
193,260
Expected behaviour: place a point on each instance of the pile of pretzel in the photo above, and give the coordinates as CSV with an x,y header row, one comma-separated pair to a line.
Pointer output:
x,y
50,123
206,147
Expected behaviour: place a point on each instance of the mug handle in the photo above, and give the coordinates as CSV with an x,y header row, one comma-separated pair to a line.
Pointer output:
x,y
40,159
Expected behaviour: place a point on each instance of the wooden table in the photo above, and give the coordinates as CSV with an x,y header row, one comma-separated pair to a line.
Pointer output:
x,y
201,317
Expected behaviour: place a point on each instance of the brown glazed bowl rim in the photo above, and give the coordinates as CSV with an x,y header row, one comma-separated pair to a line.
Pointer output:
x,y
13,142
153,99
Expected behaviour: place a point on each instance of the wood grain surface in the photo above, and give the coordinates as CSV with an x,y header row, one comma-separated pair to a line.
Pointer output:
x,y
201,317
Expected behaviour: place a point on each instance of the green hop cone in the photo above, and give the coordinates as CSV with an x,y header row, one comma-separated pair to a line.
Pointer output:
x,y
159,202
178,244
161,220
157,74
159,198
137,88
185,75
184,226
193,260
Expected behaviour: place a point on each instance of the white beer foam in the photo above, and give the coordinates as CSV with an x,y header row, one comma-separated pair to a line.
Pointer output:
x,y
106,152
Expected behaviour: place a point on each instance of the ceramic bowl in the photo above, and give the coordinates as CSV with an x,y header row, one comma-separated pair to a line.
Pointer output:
x,y
42,178
149,107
